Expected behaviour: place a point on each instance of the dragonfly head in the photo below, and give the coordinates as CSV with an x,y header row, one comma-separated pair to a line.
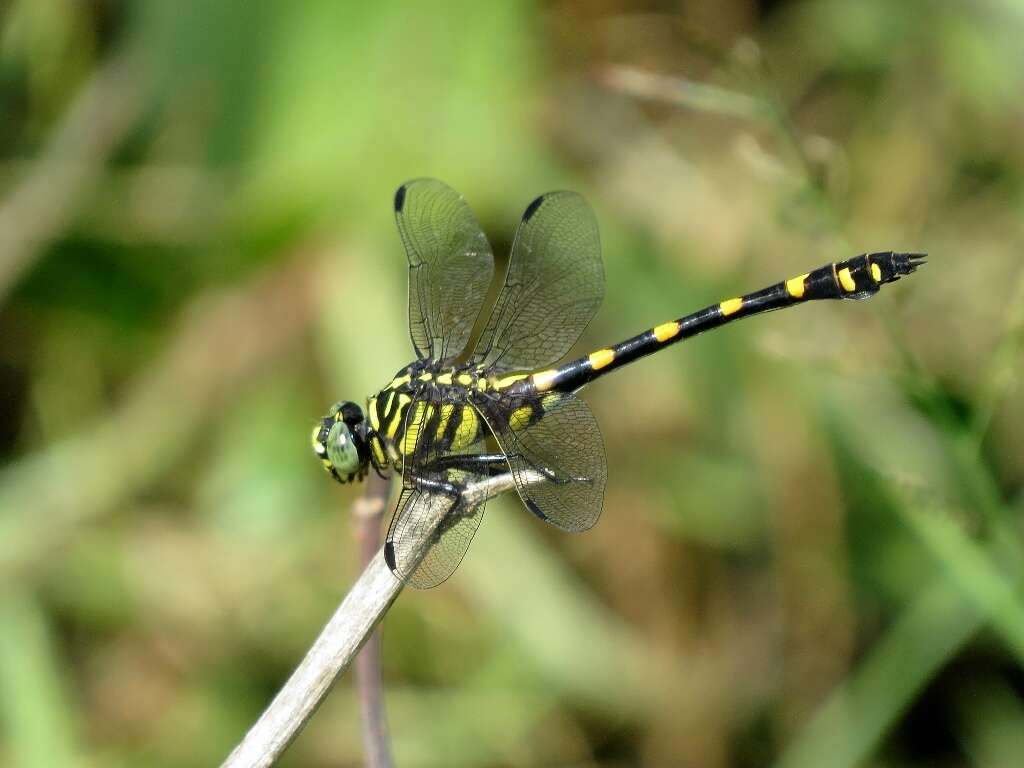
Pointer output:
x,y
339,441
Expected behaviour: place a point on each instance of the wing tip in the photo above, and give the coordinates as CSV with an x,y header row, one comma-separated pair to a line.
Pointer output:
x,y
532,506
389,556
400,198
532,208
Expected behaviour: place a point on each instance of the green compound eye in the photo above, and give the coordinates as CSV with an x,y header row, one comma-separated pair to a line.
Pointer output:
x,y
341,449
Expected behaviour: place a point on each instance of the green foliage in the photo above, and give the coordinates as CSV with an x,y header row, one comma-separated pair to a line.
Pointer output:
x,y
810,553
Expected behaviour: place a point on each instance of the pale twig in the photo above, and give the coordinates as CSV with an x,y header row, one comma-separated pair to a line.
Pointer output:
x,y
678,90
349,627
368,511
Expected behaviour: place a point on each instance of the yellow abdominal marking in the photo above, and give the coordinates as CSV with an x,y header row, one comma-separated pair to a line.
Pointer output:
x,y
465,379
876,273
508,381
444,378
846,280
601,358
544,380
665,331
731,306
795,285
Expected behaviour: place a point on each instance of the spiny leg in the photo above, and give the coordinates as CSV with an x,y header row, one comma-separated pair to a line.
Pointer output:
x,y
490,464
484,464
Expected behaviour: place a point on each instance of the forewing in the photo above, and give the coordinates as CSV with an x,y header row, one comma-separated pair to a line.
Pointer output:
x,y
450,266
565,445
553,286
426,520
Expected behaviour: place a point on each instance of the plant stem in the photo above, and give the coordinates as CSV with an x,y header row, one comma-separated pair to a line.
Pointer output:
x,y
343,636
368,511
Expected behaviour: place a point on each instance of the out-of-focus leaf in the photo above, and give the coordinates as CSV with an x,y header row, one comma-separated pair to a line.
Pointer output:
x,y
38,721
856,717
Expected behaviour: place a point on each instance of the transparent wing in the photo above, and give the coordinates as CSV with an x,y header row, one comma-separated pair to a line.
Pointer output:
x,y
450,266
446,543
435,436
559,438
553,286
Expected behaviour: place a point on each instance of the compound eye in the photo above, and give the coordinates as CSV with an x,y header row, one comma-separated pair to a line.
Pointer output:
x,y
341,449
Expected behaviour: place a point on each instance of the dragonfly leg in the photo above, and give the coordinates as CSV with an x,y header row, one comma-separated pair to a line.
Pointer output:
x,y
559,480
480,463
430,485
496,463
490,464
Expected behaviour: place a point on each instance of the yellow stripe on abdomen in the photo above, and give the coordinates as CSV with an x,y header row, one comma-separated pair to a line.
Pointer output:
x,y
508,381
601,358
544,380
666,331
846,280
795,286
731,306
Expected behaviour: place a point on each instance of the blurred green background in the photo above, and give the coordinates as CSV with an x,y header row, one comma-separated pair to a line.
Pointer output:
x,y
811,549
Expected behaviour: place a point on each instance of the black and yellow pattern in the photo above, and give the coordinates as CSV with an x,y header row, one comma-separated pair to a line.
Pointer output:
x,y
433,420
857,278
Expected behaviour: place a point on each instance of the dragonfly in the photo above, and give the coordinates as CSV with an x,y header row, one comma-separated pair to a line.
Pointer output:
x,y
474,405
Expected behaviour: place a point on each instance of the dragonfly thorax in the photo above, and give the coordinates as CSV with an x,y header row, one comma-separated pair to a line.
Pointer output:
x,y
423,402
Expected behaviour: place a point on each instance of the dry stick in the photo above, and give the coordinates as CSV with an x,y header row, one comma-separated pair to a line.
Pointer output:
x,y
349,627
368,511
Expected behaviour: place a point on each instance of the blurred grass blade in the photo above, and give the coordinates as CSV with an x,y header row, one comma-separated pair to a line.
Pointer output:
x,y
973,570
990,722
854,720
37,722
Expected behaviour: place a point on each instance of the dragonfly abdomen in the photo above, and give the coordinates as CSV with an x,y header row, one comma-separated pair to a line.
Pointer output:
x,y
856,278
